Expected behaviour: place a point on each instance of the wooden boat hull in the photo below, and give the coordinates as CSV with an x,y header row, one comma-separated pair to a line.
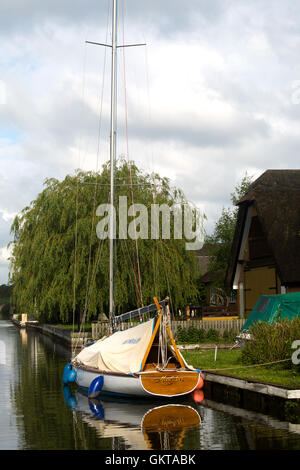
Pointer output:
x,y
170,383
162,384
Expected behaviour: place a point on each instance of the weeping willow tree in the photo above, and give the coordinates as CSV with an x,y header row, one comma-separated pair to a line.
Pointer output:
x,y
59,267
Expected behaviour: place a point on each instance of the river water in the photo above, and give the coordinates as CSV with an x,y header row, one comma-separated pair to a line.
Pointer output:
x,y
37,412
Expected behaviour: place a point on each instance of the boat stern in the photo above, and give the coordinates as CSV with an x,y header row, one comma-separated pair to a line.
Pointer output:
x,y
170,383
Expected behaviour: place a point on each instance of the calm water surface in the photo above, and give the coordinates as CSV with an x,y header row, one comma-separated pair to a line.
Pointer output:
x,y
37,412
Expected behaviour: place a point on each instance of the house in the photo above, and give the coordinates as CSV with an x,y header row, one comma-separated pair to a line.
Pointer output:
x,y
216,299
265,254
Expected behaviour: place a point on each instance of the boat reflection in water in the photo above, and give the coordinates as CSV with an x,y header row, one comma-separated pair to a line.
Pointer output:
x,y
142,424
164,427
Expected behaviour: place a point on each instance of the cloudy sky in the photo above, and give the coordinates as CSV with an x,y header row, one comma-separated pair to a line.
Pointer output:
x,y
213,94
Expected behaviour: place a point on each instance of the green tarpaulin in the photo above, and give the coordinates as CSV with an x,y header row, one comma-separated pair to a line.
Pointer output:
x,y
271,308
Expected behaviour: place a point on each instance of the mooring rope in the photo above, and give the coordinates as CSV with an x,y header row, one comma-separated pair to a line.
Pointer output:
x,y
210,370
249,366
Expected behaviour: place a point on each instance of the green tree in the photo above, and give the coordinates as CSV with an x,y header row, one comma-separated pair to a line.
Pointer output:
x,y
56,252
5,293
221,239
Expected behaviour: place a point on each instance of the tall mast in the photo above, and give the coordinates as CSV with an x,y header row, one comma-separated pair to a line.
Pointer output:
x,y
113,133
112,159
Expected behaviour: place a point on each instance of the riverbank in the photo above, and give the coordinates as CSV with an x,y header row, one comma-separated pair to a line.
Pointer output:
x,y
65,333
62,335
228,370
227,373
22,324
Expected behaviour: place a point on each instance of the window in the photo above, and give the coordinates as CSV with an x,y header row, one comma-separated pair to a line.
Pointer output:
x,y
263,303
232,297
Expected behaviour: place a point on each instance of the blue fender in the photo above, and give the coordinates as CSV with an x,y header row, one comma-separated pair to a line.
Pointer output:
x,y
69,398
97,409
96,387
69,375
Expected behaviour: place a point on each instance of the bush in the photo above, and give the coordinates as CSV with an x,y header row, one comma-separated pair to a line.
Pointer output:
x,y
190,335
199,335
181,334
271,342
229,336
213,335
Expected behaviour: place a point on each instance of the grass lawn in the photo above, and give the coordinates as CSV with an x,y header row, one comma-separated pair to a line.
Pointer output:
x,y
274,374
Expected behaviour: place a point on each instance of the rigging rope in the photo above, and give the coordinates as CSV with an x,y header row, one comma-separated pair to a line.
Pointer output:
x,y
163,342
97,176
160,243
98,256
130,262
135,254
87,295
77,187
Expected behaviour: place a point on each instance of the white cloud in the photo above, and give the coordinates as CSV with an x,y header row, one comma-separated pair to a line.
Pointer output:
x,y
219,100
5,253
7,216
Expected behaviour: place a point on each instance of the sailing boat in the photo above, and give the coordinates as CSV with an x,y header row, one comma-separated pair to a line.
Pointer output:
x,y
140,361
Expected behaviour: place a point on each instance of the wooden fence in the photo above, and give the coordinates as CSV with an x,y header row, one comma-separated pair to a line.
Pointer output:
x,y
219,325
100,329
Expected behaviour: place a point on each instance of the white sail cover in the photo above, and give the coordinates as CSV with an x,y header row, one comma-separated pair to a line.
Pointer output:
x,y
123,351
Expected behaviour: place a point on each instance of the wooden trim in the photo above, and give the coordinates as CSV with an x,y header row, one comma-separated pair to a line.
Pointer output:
x,y
234,317
151,341
103,372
